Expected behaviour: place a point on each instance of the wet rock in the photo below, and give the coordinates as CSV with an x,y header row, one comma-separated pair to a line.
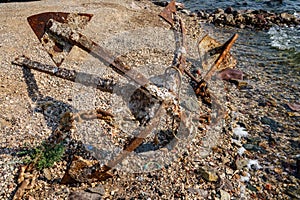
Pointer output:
x,y
240,19
230,19
202,15
219,11
229,10
287,17
257,19
274,125
255,148
187,12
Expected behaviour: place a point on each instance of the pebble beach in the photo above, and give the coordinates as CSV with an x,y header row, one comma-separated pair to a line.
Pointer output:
x,y
252,152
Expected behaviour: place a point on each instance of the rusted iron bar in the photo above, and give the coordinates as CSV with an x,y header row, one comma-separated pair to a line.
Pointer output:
x,y
64,31
21,189
226,48
67,33
106,85
167,13
137,141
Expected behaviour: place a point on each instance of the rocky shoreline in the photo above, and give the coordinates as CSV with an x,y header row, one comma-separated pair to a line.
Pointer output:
x,y
254,19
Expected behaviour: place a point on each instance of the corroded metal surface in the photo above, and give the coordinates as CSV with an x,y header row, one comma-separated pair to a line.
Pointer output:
x,y
106,85
57,48
167,13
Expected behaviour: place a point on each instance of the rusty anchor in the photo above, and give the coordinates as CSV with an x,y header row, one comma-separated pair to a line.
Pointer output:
x,y
59,32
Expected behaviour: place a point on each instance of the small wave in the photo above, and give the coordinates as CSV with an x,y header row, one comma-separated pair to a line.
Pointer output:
x,y
285,38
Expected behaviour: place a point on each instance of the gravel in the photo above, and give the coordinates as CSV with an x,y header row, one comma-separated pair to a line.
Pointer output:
x,y
210,165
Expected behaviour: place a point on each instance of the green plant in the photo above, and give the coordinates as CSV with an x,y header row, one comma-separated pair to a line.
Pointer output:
x,y
44,155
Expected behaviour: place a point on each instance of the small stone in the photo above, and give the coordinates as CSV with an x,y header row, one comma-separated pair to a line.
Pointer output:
x,y
248,146
293,192
224,195
230,19
229,171
293,114
98,190
240,163
82,195
229,74
255,148
298,166
251,187
242,26
271,122
208,174
229,10
47,174
294,106
268,186
287,17
225,160
219,10
185,11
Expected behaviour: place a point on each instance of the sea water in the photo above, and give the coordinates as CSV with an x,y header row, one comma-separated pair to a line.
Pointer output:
x,y
278,46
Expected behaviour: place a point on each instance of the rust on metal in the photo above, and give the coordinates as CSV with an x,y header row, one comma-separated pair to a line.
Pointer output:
x,y
167,13
201,88
137,141
59,32
56,47
69,36
225,50
106,85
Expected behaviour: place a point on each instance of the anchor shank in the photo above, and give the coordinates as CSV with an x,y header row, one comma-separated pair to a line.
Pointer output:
x,y
65,32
